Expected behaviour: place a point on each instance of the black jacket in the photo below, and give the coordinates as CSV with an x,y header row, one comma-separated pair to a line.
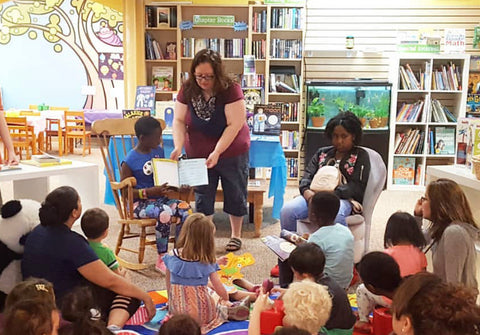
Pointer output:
x,y
355,166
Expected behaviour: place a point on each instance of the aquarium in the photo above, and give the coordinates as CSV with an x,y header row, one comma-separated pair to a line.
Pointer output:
x,y
369,100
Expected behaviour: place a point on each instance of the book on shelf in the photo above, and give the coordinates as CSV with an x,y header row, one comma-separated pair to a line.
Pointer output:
x,y
192,172
164,110
284,244
171,50
253,96
162,77
462,131
145,98
248,64
403,171
444,140
441,113
418,174
135,113
266,119
45,164
163,16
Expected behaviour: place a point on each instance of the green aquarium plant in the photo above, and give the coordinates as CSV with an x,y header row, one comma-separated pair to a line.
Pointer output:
x,y
316,108
359,111
340,103
382,106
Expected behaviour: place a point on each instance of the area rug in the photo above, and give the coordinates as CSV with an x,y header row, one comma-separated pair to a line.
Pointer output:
x,y
151,328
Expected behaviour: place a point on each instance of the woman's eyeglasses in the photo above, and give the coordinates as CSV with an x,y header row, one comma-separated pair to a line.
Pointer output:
x,y
204,77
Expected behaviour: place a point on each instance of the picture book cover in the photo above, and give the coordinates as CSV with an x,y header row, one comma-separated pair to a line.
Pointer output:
x,y
171,50
284,244
191,172
462,131
162,77
253,96
135,113
403,171
145,98
163,17
445,140
164,110
266,119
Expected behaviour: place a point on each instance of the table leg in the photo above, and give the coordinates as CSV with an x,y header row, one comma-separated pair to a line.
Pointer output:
x,y
60,141
258,212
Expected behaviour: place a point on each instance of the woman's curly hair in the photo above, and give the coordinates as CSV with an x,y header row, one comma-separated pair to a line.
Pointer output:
x,y
435,307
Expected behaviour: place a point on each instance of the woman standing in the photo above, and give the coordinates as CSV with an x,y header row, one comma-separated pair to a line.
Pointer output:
x,y
210,121
453,231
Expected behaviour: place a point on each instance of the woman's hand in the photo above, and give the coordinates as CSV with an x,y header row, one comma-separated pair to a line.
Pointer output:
x,y
175,154
12,158
418,210
308,194
212,159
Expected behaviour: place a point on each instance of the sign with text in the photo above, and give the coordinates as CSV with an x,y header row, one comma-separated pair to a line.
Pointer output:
x,y
213,20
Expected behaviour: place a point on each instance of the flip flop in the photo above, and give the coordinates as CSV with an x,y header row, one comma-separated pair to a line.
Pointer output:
x,y
234,244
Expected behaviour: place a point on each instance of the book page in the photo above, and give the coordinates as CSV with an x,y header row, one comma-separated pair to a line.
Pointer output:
x,y
165,171
193,172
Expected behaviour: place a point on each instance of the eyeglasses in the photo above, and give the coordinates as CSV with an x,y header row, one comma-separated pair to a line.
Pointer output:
x,y
206,77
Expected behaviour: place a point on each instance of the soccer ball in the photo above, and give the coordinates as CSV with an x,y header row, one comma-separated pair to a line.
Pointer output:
x,y
148,168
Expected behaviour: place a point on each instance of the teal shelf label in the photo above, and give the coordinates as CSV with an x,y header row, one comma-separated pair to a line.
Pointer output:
x,y
186,25
240,26
213,20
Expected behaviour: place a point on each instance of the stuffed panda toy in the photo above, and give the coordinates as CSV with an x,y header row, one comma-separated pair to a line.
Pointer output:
x,y
18,218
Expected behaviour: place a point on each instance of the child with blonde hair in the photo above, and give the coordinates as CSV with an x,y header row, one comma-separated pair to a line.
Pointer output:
x,y
190,268
307,306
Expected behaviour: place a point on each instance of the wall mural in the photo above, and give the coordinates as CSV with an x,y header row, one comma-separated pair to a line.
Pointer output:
x,y
90,34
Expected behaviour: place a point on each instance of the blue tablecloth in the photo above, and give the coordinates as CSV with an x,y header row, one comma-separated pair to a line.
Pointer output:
x,y
265,151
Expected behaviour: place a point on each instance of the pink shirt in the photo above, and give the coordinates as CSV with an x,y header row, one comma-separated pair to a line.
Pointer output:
x,y
410,259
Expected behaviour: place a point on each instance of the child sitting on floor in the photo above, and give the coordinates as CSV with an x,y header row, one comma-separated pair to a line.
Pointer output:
x,y
403,241
152,201
335,240
94,223
30,309
307,305
307,262
190,267
180,324
381,276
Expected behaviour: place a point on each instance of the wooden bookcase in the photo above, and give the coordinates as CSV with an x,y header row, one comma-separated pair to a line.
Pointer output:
x,y
271,31
427,68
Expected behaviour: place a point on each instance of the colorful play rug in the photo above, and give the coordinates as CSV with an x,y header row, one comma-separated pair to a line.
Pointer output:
x,y
151,327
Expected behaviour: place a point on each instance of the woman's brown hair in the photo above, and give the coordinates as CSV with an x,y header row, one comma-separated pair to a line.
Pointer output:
x,y
448,204
435,307
222,81
197,239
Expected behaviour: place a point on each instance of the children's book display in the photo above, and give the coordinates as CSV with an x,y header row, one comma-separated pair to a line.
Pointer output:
x,y
135,113
284,244
231,271
191,172
145,98
444,141
403,170
266,119
164,110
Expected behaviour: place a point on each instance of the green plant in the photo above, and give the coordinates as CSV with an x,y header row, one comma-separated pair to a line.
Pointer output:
x,y
340,103
359,111
316,108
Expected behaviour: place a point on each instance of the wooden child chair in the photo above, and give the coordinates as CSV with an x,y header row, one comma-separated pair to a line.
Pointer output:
x,y
22,135
75,129
113,151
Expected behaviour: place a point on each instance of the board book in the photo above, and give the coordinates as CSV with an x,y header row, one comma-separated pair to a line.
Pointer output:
x,y
191,172
284,244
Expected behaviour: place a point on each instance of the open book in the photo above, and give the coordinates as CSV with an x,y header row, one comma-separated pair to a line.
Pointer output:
x,y
283,245
191,172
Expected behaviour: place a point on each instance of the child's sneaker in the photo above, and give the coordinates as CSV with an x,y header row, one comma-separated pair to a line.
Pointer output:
x,y
160,266
240,310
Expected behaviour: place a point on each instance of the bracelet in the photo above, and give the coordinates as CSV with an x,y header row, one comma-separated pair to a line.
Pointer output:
x,y
144,193
140,193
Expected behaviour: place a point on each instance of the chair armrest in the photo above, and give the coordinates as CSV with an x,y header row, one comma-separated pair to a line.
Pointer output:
x,y
127,182
354,220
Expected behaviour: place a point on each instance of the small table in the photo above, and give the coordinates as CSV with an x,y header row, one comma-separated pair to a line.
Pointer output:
x,y
32,182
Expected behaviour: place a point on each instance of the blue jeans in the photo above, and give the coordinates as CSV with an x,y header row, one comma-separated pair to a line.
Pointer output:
x,y
297,209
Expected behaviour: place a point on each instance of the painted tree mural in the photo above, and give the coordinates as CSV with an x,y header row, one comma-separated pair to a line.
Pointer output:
x,y
87,27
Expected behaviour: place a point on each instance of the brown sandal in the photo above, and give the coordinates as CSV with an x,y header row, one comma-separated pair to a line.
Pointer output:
x,y
234,244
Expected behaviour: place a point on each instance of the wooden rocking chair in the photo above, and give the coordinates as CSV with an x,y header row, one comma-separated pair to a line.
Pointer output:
x,y
113,151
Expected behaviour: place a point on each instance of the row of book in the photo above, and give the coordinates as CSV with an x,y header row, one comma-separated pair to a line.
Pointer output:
x,y
409,142
227,48
441,141
292,167
406,171
289,139
408,79
259,22
259,49
286,49
448,78
290,111
153,49
440,113
410,112
156,17
286,18
252,80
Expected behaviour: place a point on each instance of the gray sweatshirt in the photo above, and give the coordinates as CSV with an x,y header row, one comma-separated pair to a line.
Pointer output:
x,y
454,256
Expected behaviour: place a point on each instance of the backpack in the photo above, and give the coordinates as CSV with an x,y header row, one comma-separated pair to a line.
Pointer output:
x,y
327,178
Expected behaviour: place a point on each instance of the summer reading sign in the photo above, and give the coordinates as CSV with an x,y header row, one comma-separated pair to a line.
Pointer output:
x,y
213,20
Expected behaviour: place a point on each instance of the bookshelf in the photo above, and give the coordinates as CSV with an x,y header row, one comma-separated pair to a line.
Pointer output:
x,y
274,34
428,96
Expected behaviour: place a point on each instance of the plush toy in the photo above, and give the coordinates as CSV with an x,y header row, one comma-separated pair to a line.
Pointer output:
x,y
18,218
